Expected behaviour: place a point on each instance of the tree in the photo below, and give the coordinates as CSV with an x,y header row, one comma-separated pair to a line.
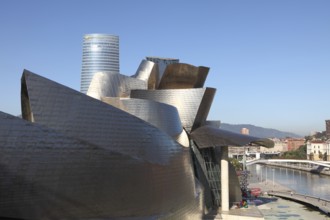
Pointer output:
x,y
236,164
320,155
300,153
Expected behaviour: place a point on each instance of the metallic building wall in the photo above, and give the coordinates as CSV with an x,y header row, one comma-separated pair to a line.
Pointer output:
x,y
148,71
183,76
162,64
164,117
188,102
209,135
149,169
48,175
100,53
86,118
111,158
109,84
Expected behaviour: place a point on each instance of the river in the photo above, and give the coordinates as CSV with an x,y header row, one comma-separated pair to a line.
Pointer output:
x,y
301,182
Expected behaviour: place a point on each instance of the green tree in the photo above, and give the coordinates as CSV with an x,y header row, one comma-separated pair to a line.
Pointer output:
x,y
236,164
320,155
300,153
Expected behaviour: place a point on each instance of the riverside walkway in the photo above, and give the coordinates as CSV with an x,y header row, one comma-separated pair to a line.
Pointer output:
x,y
322,204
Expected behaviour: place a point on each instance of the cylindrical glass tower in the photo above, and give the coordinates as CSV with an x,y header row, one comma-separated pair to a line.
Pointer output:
x,y
100,53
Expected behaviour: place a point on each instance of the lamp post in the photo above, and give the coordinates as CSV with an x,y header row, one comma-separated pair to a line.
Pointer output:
x,y
273,176
266,176
244,159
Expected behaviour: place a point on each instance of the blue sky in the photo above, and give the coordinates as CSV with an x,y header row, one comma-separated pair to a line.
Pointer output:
x,y
269,59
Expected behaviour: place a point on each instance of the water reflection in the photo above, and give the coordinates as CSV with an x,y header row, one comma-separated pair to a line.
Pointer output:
x,y
300,181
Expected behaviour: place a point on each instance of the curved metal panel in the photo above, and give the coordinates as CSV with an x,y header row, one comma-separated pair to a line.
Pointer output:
x,y
183,139
204,108
148,71
209,136
183,76
83,117
109,84
163,116
193,104
161,63
47,174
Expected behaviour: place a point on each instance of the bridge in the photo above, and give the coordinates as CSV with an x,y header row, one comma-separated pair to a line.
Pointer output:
x,y
306,165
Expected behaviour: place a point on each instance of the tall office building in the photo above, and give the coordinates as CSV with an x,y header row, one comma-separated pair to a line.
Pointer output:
x,y
100,53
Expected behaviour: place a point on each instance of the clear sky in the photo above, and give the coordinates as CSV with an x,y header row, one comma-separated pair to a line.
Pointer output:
x,y
269,59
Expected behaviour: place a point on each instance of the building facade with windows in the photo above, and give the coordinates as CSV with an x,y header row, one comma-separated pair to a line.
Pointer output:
x,y
318,150
100,54
295,143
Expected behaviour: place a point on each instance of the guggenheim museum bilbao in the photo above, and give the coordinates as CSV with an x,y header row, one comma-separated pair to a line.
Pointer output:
x,y
132,147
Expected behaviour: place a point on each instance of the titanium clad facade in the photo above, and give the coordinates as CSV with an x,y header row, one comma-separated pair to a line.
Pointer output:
x,y
209,135
80,116
162,64
193,104
108,84
148,71
100,53
48,175
164,117
183,76
134,151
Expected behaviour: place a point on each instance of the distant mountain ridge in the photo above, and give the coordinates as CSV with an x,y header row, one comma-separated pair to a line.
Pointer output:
x,y
258,131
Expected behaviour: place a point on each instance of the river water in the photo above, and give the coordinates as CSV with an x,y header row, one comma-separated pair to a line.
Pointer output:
x,y
301,182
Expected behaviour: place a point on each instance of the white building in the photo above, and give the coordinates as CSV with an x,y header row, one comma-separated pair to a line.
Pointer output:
x,y
279,146
318,150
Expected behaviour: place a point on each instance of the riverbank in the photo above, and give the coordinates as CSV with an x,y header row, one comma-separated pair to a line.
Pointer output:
x,y
267,186
274,208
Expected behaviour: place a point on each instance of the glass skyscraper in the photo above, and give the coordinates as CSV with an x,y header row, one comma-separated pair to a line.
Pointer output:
x,y
100,53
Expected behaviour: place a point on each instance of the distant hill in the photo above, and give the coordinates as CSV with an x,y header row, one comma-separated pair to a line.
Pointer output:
x,y
258,131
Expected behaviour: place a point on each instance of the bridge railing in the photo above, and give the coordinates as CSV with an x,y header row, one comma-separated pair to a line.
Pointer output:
x,y
289,161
